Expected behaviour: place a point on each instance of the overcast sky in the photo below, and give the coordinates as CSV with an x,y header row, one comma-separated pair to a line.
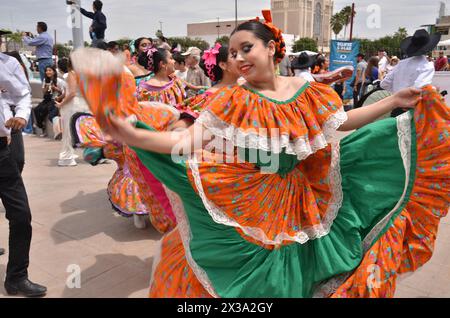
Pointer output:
x,y
134,18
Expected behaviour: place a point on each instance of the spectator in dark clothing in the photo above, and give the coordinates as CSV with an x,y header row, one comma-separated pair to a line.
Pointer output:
x,y
98,26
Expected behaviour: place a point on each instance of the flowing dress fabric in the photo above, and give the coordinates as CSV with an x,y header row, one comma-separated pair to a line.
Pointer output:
x,y
123,191
322,226
145,190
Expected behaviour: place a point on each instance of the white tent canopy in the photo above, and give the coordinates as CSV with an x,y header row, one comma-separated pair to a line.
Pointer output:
x,y
310,53
444,43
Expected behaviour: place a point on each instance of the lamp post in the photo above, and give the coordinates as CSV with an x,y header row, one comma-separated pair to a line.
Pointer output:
x,y
77,25
218,27
160,26
352,21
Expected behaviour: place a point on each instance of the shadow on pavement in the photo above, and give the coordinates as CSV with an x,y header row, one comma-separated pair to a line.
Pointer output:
x,y
94,215
131,275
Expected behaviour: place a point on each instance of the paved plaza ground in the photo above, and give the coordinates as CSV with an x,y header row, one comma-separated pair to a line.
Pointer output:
x,y
73,224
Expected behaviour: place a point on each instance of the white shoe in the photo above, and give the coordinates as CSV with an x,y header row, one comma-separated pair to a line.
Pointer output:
x,y
140,221
67,163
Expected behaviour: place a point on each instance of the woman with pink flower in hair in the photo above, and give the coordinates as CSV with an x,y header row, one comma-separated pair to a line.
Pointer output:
x,y
163,87
219,69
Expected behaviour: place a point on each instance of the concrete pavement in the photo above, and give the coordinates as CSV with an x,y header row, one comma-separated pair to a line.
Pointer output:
x,y
73,225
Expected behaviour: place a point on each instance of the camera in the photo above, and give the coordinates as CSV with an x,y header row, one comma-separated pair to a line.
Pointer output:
x,y
68,2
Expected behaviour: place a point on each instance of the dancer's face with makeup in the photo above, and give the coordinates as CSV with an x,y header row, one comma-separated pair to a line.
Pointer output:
x,y
252,57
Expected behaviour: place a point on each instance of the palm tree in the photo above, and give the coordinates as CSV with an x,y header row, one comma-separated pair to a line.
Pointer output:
x,y
346,14
401,34
337,24
16,40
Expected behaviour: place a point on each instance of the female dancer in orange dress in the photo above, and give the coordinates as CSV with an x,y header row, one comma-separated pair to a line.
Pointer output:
x,y
163,87
291,211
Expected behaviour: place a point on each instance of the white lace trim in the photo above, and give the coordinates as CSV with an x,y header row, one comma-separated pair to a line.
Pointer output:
x,y
404,143
186,236
404,134
301,236
301,147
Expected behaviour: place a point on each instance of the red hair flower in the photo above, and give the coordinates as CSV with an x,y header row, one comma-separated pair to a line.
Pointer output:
x,y
280,45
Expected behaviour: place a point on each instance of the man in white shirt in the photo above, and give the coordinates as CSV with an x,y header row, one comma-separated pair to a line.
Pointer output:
x,y
415,71
14,89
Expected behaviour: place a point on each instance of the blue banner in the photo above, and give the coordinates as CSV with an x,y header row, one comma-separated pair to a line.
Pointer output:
x,y
343,53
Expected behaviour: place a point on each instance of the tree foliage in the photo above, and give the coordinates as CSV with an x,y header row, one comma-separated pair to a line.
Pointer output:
x,y
187,42
346,17
123,41
13,40
61,50
224,40
337,23
305,44
390,43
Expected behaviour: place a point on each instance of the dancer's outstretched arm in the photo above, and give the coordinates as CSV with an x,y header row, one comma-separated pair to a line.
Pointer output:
x,y
172,142
357,118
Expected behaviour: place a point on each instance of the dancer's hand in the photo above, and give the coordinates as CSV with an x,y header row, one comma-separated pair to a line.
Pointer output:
x,y
407,98
121,130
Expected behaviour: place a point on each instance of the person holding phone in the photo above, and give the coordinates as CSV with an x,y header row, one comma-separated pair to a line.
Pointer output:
x,y
44,47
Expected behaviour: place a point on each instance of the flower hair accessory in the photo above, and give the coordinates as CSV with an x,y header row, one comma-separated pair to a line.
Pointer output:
x,y
280,45
150,52
210,58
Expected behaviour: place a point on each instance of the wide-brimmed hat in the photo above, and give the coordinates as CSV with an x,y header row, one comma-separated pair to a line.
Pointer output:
x,y
3,32
303,61
420,43
192,51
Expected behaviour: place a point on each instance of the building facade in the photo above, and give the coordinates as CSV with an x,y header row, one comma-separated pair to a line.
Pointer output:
x,y
299,18
213,29
442,26
304,19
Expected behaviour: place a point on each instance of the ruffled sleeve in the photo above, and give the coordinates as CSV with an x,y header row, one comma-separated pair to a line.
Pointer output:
x,y
172,93
301,125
